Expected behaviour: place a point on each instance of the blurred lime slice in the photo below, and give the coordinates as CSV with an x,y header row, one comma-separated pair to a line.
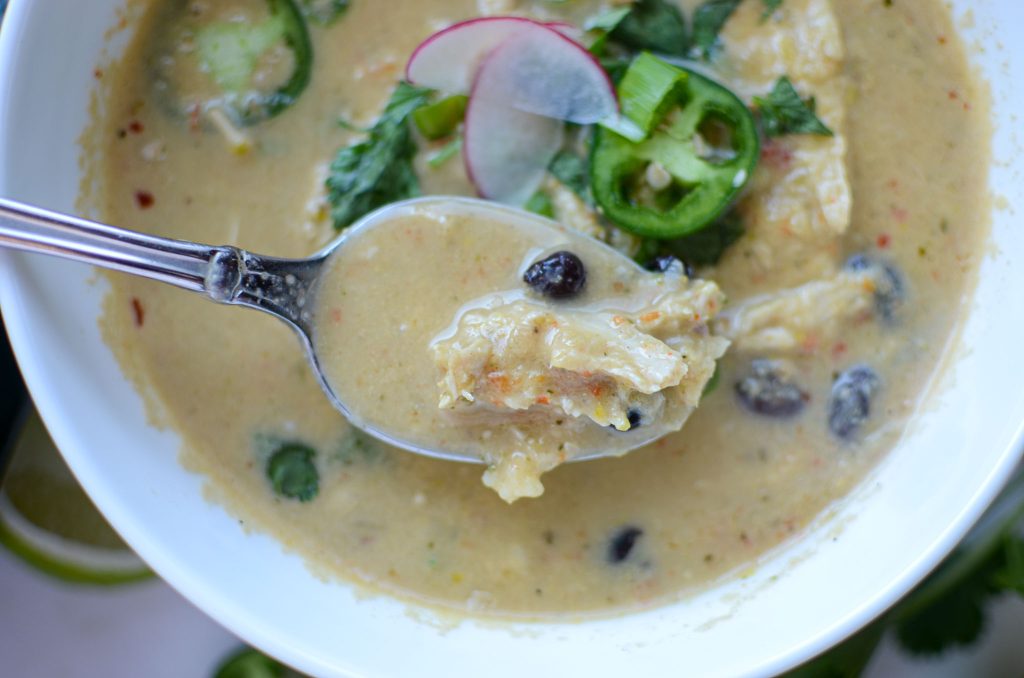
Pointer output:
x,y
47,520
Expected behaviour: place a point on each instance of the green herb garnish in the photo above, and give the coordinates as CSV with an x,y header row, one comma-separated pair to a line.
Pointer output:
x,y
655,25
378,170
784,112
573,171
231,52
440,119
645,91
708,21
358,447
540,203
293,473
445,153
947,610
248,663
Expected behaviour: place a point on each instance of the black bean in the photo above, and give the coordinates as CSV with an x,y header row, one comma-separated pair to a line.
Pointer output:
x,y
849,406
765,391
558,276
622,543
890,291
667,263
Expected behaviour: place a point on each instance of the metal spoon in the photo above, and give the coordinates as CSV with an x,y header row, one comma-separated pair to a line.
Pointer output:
x,y
284,288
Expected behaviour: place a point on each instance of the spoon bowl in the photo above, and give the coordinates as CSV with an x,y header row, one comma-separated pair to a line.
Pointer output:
x,y
285,288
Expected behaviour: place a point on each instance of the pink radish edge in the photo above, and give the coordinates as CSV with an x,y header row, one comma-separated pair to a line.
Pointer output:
x,y
469,128
461,26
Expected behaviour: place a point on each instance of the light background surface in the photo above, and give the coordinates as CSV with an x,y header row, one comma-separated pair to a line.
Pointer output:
x,y
54,630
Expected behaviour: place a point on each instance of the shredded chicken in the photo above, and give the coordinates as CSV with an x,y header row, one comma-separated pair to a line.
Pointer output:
x,y
800,199
799,319
520,362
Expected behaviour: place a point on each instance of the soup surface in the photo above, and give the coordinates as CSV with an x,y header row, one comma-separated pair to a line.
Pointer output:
x,y
526,381
820,380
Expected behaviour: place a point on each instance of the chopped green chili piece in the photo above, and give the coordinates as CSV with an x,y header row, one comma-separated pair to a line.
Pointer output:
x,y
231,53
708,21
293,473
687,173
441,118
646,90
784,112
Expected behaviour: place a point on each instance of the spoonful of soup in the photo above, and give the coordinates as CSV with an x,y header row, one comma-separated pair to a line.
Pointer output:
x,y
455,328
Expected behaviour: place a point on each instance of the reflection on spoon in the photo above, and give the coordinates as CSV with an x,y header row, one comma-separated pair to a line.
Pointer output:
x,y
455,328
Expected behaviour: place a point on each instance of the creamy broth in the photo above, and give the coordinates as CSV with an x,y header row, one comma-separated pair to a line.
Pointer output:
x,y
526,381
912,140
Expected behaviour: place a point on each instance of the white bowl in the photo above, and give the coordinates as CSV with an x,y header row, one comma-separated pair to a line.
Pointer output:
x,y
803,598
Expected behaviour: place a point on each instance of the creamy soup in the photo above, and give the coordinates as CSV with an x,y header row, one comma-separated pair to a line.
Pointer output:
x,y
862,227
526,380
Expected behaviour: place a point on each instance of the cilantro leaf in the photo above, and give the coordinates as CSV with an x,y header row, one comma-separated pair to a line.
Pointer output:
x,y
574,172
846,660
948,609
1011,576
703,248
784,112
706,247
378,170
655,25
708,21
957,618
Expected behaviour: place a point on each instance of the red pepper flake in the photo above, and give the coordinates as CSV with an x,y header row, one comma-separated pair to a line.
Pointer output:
x,y
97,73
838,349
194,112
144,199
883,241
953,95
139,311
893,183
336,315
776,154
135,127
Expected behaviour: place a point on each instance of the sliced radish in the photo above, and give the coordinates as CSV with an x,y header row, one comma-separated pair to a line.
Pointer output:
x,y
506,150
541,71
571,31
448,60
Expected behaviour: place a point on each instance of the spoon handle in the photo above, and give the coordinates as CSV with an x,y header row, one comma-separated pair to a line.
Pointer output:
x,y
225,274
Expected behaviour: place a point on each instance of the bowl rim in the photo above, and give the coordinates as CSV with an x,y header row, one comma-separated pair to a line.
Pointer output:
x,y
233,616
